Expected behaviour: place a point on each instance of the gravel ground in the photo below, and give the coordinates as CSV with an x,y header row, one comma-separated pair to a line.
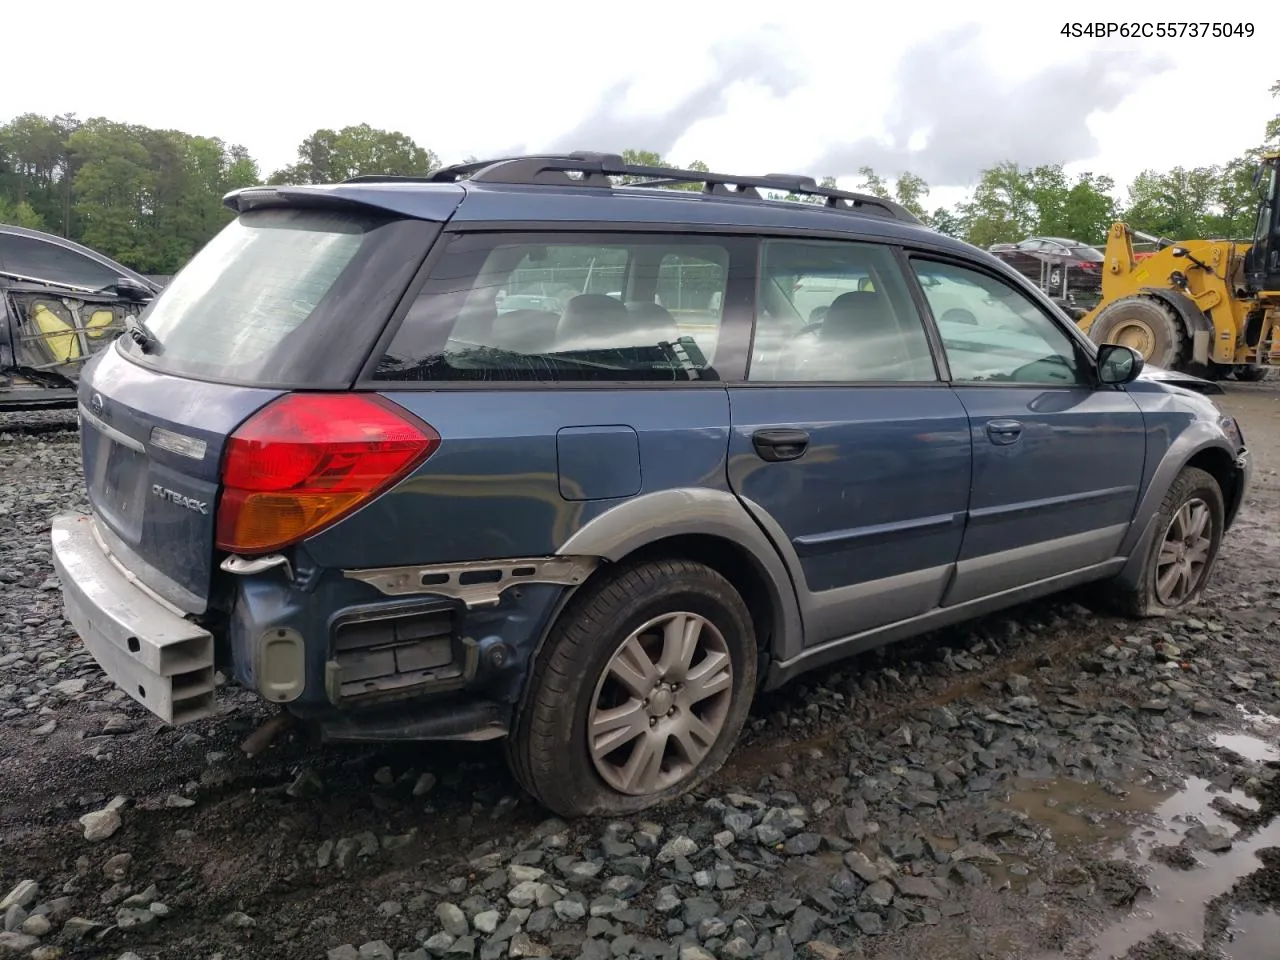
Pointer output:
x,y
1040,784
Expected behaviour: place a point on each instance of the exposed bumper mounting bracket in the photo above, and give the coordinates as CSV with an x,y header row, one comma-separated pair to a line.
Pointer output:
x,y
479,583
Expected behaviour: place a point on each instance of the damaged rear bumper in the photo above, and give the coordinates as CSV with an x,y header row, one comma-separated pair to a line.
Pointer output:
x,y
152,652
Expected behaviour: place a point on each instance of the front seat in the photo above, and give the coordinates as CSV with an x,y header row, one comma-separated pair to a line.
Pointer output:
x,y
592,321
859,340
653,323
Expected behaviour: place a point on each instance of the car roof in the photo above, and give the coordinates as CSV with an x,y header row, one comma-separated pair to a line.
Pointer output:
x,y
66,244
581,189
518,204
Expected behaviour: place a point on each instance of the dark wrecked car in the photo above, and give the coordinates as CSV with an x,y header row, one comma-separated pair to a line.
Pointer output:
x,y
60,303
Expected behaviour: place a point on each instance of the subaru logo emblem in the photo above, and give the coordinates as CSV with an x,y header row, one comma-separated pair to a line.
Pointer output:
x,y
96,404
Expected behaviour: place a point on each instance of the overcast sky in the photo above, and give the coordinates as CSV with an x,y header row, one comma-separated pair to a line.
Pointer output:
x,y
746,87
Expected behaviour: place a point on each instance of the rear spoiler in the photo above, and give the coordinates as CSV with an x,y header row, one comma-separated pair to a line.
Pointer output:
x,y
435,202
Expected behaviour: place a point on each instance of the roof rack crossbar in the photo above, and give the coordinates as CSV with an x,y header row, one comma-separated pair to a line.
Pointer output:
x,y
597,169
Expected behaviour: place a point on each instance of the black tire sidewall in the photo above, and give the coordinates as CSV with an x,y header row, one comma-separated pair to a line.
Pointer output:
x,y
575,786
1168,337
1247,374
1191,484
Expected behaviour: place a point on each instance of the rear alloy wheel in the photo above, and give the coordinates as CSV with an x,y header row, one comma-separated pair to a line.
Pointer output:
x,y
640,693
660,704
1182,552
1146,324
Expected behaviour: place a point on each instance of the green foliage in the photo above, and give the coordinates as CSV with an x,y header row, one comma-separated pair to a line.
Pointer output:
x,y
1273,125
152,198
328,156
911,191
947,222
20,215
1010,203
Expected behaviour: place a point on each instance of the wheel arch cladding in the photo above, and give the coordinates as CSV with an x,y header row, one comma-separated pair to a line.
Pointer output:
x,y
709,526
1195,447
733,562
1220,465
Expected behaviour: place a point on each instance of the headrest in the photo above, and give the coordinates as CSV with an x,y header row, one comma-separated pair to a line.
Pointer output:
x,y
650,313
959,315
593,315
525,331
857,311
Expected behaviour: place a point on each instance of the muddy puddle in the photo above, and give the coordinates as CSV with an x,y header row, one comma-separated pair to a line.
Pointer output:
x,y
1253,936
1188,851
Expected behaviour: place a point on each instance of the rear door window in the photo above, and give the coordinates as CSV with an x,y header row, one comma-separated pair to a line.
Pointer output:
x,y
566,308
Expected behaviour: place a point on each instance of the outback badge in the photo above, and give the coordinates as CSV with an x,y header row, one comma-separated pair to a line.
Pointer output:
x,y
190,503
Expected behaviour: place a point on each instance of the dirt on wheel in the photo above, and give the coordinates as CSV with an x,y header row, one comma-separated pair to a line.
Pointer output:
x,y
1052,782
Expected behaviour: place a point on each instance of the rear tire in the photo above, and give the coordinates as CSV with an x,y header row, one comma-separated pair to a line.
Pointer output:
x,y
1147,324
612,661
1180,558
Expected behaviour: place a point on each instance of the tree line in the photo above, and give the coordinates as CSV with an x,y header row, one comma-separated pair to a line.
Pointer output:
x,y
151,198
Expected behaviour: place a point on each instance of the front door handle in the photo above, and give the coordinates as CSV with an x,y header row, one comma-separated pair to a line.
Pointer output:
x,y
780,444
1004,431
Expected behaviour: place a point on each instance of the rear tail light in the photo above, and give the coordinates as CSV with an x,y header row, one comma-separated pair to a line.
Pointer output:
x,y
305,461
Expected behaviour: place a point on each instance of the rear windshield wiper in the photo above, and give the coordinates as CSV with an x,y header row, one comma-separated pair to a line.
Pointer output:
x,y
141,334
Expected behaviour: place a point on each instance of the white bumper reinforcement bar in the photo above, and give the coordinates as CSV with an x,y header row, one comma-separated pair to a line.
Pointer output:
x,y
162,660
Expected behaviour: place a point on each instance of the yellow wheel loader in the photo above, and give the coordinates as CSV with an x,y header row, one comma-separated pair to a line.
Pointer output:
x,y
1206,307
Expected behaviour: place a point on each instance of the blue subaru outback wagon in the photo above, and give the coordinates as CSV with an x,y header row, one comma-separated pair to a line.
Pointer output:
x,y
520,450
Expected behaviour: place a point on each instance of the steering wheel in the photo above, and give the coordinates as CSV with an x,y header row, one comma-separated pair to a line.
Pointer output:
x,y
806,330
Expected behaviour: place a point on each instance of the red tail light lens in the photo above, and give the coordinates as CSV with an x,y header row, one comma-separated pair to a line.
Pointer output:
x,y
305,461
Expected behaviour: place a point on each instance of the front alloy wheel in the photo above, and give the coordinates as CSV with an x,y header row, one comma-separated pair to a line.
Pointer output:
x,y
1184,553
1180,556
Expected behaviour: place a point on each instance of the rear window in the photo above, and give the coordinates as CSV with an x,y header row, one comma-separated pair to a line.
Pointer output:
x,y
276,297
565,308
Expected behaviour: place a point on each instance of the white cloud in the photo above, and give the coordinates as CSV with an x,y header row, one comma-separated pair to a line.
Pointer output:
x,y
806,86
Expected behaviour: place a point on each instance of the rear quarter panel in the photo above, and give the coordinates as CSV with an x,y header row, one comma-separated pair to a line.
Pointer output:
x,y
502,485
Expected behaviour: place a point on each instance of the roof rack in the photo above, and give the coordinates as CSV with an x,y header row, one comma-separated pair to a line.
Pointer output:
x,y
596,169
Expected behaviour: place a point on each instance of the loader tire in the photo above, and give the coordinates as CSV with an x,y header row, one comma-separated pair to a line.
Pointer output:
x,y
1250,374
1147,324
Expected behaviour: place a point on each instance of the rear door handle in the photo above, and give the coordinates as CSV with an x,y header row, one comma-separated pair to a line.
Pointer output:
x,y
780,444
1004,431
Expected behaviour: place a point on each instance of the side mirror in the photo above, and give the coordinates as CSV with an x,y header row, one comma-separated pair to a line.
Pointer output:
x,y
1118,364
133,290
1179,251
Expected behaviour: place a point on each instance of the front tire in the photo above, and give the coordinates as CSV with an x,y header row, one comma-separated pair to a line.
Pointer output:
x,y
640,692
1148,325
1182,554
